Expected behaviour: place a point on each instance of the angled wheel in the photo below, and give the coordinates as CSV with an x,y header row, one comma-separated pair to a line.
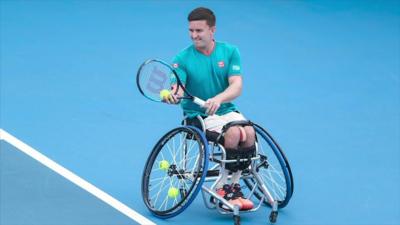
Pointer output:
x,y
173,174
273,168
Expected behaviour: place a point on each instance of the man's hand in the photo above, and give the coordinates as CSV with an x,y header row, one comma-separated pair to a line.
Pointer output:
x,y
212,105
173,98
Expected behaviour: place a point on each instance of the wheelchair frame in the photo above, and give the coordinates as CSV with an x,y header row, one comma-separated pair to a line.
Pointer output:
x,y
251,176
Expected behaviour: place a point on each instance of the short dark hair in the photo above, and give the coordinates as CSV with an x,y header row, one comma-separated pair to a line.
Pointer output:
x,y
202,13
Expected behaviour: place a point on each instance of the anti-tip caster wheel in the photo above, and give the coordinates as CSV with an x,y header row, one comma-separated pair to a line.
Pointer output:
x,y
236,219
273,216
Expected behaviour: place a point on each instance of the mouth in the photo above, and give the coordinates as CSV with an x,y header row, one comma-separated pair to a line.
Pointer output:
x,y
197,41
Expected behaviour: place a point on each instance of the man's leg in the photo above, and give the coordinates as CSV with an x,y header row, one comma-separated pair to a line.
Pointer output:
x,y
242,137
234,137
250,137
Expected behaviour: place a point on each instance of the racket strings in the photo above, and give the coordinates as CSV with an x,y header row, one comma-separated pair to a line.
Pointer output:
x,y
153,78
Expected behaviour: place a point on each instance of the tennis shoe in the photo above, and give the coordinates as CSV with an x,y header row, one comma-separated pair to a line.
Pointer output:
x,y
238,194
227,194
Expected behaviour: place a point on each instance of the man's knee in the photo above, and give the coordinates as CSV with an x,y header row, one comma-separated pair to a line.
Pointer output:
x,y
232,137
251,133
238,135
250,136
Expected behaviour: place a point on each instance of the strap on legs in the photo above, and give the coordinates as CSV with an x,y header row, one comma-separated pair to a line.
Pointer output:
x,y
240,153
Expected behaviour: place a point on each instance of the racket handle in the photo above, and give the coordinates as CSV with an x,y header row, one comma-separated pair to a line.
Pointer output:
x,y
199,101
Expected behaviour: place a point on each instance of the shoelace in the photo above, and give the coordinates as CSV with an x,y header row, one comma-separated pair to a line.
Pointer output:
x,y
237,191
228,192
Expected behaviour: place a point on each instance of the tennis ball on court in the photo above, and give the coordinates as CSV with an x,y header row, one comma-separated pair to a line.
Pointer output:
x,y
173,192
164,165
164,94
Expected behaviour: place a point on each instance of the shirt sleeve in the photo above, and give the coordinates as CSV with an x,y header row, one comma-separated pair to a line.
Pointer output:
x,y
178,66
235,67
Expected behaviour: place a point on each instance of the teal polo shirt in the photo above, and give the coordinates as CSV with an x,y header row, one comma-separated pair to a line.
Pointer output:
x,y
205,76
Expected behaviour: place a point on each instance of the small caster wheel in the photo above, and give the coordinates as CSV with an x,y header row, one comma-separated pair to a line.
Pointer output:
x,y
213,200
273,216
236,219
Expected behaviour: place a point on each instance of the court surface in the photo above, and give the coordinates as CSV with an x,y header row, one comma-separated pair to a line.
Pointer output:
x,y
322,76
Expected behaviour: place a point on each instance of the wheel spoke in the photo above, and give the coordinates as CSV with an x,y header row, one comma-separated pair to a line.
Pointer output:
x,y
272,170
185,161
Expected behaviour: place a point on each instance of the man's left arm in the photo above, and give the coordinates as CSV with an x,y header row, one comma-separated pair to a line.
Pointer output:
x,y
231,92
235,85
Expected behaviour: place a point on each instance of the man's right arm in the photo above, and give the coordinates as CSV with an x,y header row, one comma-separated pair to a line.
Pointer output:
x,y
177,92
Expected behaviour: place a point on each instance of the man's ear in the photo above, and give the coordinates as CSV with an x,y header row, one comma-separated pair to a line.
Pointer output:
x,y
213,29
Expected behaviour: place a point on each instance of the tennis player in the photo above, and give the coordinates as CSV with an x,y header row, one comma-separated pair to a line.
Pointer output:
x,y
211,70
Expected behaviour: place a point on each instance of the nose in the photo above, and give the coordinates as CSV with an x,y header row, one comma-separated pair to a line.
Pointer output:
x,y
194,34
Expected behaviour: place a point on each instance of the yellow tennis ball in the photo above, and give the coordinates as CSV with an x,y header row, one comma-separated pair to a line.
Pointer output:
x,y
164,93
173,192
164,165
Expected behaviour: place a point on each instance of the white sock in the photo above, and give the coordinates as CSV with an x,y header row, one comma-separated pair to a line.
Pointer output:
x,y
236,177
224,178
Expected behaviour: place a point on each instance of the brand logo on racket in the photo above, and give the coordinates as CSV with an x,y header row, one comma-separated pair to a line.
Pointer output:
x,y
156,81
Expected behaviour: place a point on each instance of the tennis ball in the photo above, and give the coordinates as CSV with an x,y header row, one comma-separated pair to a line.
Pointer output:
x,y
173,192
164,165
164,94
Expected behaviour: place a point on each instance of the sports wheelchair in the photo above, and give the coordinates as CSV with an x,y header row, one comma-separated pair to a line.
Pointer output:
x,y
188,159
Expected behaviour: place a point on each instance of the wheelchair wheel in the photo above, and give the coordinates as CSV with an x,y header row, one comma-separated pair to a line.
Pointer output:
x,y
173,174
273,168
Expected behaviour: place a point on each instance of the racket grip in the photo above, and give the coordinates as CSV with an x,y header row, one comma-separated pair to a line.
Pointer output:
x,y
198,101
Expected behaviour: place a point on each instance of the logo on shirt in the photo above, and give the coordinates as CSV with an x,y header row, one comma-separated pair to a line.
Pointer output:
x,y
235,67
221,64
175,65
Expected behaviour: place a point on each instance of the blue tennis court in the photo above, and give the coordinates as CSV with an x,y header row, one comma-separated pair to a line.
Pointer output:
x,y
322,76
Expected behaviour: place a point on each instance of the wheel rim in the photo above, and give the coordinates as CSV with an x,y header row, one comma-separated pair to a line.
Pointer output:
x,y
273,169
174,172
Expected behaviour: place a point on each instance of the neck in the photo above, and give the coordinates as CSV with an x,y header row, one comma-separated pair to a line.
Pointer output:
x,y
208,49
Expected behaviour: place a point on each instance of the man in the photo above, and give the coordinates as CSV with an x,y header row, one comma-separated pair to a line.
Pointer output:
x,y
211,70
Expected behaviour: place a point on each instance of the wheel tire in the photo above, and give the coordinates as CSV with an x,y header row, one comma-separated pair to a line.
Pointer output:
x,y
275,160
185,152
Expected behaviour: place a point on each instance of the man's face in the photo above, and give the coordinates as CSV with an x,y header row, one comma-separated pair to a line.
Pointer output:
x,y
200,33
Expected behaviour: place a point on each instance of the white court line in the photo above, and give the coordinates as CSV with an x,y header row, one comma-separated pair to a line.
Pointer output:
x,y
74,178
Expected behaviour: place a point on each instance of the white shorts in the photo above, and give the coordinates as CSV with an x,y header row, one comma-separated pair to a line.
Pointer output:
x,y
215,122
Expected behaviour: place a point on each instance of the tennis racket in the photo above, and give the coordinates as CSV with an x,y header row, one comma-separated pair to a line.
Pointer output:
x,y
155,75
